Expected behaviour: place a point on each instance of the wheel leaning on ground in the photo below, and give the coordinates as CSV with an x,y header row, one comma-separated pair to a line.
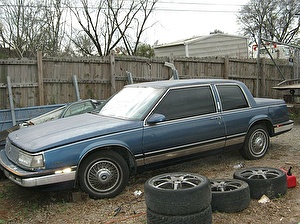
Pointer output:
x,y
263,181
229,195
103,174
256,143
177,193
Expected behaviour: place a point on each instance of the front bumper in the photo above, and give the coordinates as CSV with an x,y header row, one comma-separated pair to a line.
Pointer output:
x,y
32,179
284,127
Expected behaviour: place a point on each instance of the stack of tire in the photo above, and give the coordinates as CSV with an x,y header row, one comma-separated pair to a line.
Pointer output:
x,y
178,198
233,195
191,198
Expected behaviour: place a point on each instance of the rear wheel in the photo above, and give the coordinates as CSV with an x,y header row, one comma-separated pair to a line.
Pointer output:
x,y
103,174
256,143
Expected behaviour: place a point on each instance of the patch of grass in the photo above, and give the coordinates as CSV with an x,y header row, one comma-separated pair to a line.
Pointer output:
x,y
2,195
5,192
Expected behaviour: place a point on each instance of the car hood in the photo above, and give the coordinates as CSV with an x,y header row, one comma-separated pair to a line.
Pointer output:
x,y
63,131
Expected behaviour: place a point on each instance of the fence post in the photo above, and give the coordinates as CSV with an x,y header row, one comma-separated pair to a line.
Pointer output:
x,y
262,87
12,106
75,83
112,73
226,67
172,61
40,78
258,76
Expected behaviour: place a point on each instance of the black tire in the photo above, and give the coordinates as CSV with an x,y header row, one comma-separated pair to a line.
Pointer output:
x,y
203,217
256,143
263,181
177,193
229,195
103,174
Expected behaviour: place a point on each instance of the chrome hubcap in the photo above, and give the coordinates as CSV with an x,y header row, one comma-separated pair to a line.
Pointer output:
x,y
104,176
258,144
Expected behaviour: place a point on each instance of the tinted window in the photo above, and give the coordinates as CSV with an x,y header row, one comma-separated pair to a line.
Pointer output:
x,y
180,103
232,97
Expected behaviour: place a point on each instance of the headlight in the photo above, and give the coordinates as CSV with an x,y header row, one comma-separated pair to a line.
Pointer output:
x,y
31,161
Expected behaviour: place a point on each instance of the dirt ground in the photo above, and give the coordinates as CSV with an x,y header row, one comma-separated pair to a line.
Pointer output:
x,y
21,205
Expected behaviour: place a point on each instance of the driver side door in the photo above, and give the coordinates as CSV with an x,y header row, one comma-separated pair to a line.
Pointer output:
x,y
192,124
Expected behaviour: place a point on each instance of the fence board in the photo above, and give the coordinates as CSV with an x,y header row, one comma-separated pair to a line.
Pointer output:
x,y
95,78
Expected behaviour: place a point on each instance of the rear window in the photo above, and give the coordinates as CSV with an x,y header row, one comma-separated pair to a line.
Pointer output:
x,y
232,97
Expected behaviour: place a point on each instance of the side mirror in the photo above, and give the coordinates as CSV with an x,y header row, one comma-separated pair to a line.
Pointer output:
x,y
156,118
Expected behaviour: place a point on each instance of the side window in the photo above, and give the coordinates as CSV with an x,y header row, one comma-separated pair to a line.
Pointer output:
x,y
187,102
232,97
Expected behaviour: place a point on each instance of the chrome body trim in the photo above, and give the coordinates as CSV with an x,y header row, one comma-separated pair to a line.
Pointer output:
x,y
167,154
42,180
235,140
287,126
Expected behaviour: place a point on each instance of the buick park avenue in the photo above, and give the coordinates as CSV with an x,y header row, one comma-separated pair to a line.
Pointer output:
x,y
143,124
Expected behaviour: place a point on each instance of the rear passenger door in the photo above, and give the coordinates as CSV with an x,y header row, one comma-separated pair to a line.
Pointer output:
x,y
236,112
192,125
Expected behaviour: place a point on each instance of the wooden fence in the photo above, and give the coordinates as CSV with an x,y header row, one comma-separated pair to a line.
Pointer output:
x,y
47,81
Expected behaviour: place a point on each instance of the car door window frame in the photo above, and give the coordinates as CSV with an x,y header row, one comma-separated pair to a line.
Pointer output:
x,y
188,91
233,100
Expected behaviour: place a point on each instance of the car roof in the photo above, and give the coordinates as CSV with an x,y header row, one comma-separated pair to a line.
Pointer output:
x,y
181,82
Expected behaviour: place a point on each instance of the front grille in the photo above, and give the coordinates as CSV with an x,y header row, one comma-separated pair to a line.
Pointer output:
x,y
12,152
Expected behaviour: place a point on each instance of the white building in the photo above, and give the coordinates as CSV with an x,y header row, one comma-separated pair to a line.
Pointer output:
x,y
213,45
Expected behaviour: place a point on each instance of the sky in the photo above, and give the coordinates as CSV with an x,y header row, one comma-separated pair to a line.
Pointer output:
x,y
181,19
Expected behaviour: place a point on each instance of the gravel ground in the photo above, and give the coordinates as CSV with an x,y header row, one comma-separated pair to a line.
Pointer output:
x,y
21,205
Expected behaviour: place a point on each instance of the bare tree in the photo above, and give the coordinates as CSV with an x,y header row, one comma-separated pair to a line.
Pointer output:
x,y
54,27
2,37
29,26
112,23
275,20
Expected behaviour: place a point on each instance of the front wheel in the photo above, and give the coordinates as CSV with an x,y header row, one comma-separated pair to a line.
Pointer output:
x,y
103,174
256,143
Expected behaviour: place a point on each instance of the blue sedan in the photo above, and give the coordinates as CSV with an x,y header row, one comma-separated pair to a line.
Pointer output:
x,y
143,124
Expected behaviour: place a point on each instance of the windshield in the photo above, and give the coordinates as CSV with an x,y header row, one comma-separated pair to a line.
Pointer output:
x,y
131,102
